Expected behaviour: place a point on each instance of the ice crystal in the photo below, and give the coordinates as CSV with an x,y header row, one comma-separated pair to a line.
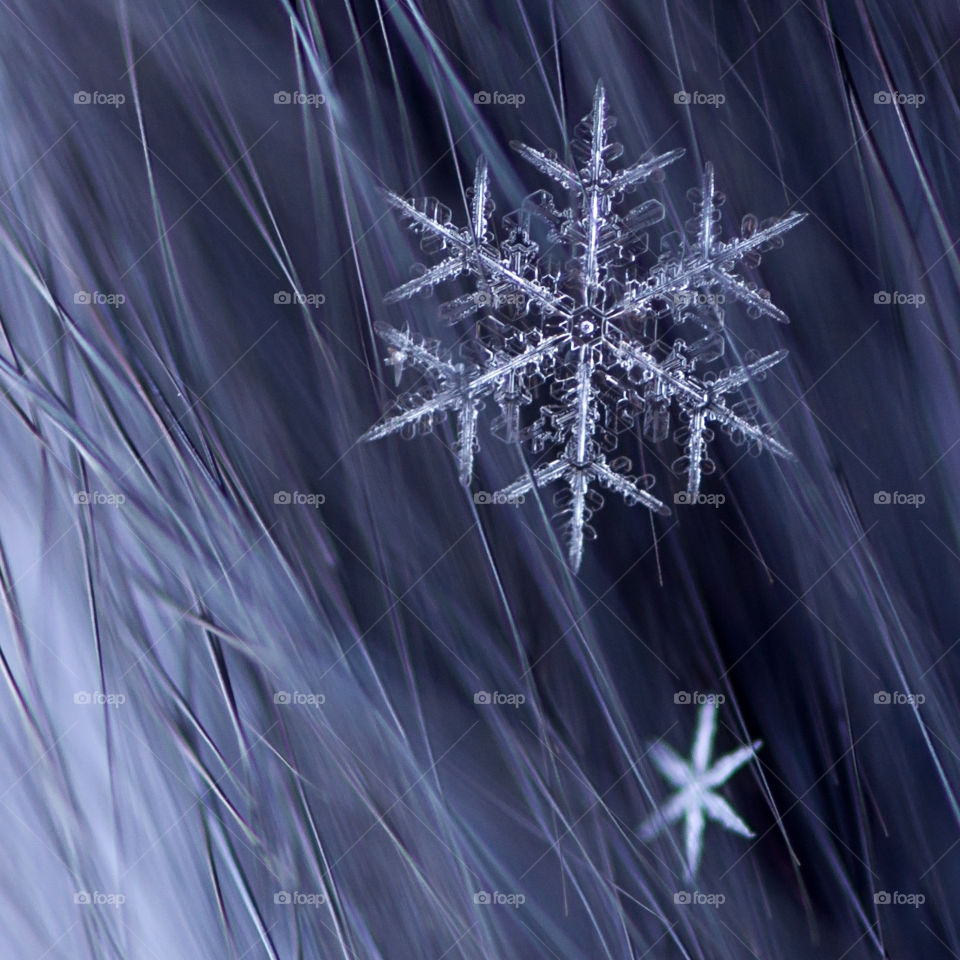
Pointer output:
x,y
696,782
588,342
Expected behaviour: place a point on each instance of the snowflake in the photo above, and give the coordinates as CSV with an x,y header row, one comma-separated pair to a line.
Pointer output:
x,y
596,330
696,782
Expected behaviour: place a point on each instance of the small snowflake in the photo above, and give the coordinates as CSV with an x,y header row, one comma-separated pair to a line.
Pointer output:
x,y
588,341
696,782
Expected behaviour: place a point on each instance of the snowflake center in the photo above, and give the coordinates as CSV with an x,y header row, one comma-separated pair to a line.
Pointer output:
x,y
586,325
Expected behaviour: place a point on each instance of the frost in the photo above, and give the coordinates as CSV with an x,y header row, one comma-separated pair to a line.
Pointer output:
x,y
588,342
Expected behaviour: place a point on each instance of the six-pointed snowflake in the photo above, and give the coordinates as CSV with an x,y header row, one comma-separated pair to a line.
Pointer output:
x,y
696,781
591,341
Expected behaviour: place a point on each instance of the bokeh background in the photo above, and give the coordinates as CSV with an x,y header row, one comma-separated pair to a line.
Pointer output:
x,y
234,726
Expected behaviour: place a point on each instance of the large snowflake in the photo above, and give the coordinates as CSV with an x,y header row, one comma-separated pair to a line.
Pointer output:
x,y
593,341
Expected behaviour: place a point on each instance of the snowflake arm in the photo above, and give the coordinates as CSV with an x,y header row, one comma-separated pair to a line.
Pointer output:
x,y
727,766
693,838
581,463
481,260
541,477
481,206
717,410
703,402
594,227
628,488
449,269
719,810
734,379
458,388
548,165
466,445
659,820
696,461
703,739
578,480
642,171
670,764
575,465
712,261
404,348
750,431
